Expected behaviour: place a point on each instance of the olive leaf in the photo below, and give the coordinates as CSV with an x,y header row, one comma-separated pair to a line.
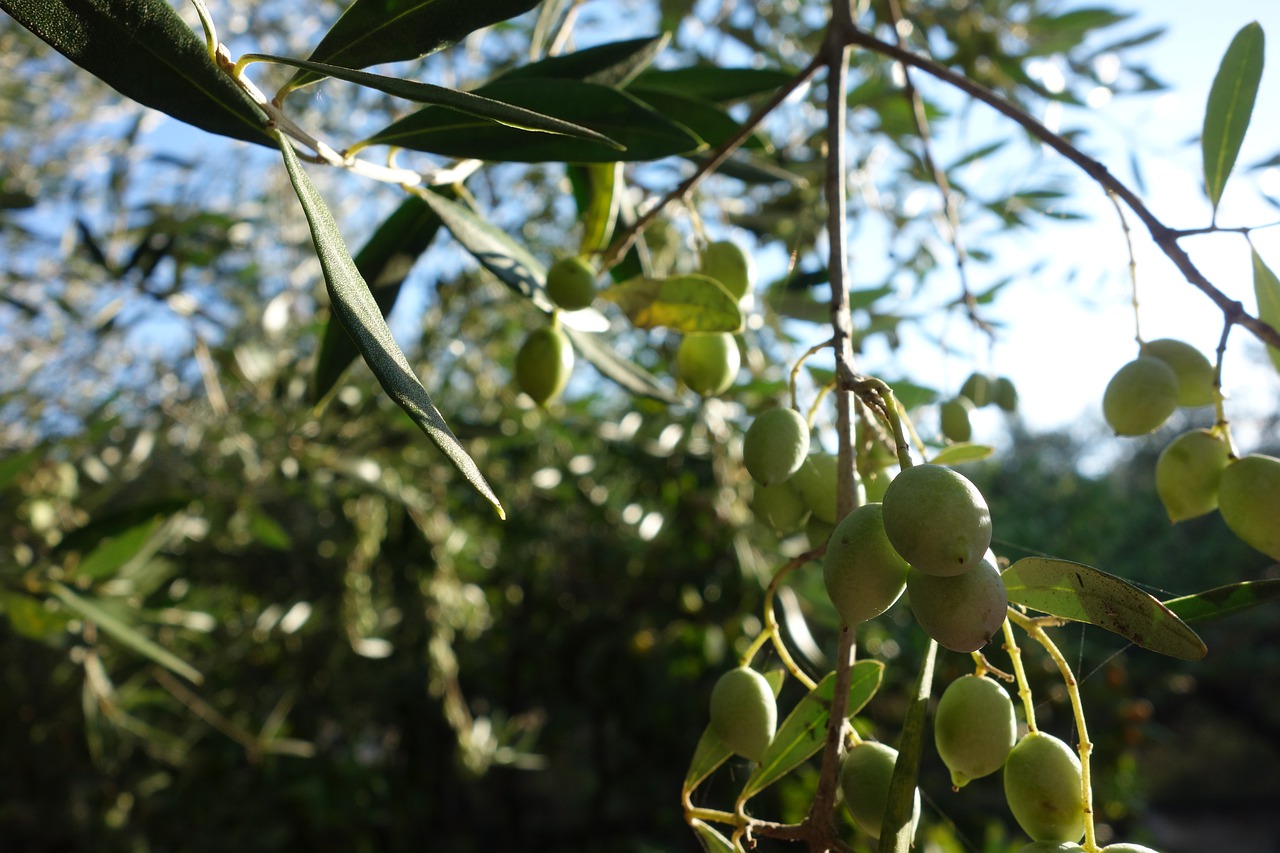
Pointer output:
x,y
895,836
597,190
356,309
1223,601
145,51
711,839
804,731
1230,106
683,303
1084,594
1266,286
965,452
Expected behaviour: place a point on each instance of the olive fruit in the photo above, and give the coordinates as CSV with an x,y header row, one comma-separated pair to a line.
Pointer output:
x,y
978,388
727,263
863,574
544,363
865,773
1043,788
974,728
818,481
708,362
1188,471
1005,394
780,507
1249,500
1127,847
744,713
960,612
1194,371
571,283
775,445
1050,847
1140,397
955,418
876,483
818,531
937,519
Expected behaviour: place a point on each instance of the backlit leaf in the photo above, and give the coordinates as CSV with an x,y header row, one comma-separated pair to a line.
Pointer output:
x,y
1084,594
1225,601
1266,286
1230,106
959,453
684,303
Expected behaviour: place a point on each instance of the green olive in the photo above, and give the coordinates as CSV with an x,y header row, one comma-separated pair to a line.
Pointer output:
x,y
1188,471
775,445
961,612
974,728
864,576
744,713
708,362
1249,501
865,773
1005,394
544,364
1194,371
818,481
1140,397
727,263
937,519
1043,787
780,507
571,283
955,419
978,389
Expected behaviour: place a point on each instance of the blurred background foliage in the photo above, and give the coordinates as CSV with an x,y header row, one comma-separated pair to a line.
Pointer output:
x,y
235,621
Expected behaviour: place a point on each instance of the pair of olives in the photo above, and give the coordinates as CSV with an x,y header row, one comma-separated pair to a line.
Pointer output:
x,y
544,361
1144,392
708,362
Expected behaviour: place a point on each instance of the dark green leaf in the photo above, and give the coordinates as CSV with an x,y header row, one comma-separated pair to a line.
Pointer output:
x,y
114,551
706,119
644,133
613,64
355,307
268,532
710,83
125,633
463,102
1224,601
804,731
1084,594
375,31
1060,33
384,263
1230,106
978,154
1266,286
623,371
683,303
143,50
896,835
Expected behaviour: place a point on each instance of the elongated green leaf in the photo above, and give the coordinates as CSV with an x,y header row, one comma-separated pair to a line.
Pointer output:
x,y
356,309
1230,106
712,124
709,754
958,453
711,839
1266,286
384,263
1224,601
143,50
896,833
126,633
685,303
464,102
597,190
1085,594
711,83
612,64
113,552
374,31
804,731
638,132
623,371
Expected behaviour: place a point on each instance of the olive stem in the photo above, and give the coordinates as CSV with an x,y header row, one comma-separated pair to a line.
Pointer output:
x,y
1221,424
1024,687
1085,746
795,372
771,630
1133,266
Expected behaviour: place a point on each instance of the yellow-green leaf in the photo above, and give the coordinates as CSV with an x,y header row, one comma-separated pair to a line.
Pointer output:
x,y
1267,288
683,303
1230,106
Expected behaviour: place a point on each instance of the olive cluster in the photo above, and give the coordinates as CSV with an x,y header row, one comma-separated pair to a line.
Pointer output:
x,y
978,391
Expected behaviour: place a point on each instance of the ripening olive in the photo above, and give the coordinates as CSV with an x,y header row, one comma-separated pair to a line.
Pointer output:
x,y
1249,500
727,263
708,362
937,519
744,713
1194,371
775,445
1140,397
954,415
1043,788
974,728
544,363
865,773
571,283
818,481
978,388
1005,394
960,612
1188,471
863,574
780,507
